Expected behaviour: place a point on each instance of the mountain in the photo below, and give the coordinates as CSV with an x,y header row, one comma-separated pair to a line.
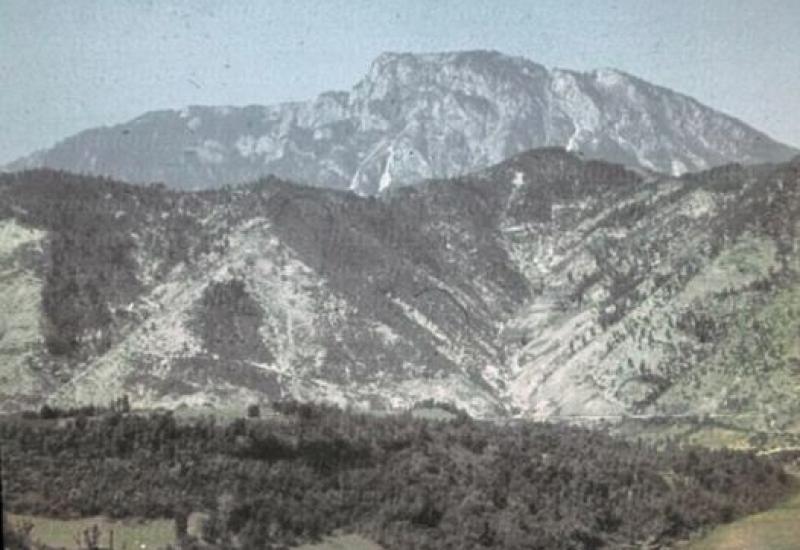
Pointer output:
x,y
414,117
546,286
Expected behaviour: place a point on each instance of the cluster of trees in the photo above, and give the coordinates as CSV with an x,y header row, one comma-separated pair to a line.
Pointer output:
x,y
51,412
228,321
404,482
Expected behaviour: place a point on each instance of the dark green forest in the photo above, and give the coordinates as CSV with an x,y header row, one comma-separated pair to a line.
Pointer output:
x,y
274,481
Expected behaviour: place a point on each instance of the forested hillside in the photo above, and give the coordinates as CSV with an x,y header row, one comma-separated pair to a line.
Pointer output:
x,y
544,287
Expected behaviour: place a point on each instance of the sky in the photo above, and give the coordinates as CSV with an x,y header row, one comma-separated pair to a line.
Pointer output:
x,y
70,65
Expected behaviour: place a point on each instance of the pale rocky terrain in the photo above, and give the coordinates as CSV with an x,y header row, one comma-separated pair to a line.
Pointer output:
x,y
545,287
418,116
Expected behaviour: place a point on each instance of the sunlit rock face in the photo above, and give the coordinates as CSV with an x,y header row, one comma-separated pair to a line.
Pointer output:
x,y
418,116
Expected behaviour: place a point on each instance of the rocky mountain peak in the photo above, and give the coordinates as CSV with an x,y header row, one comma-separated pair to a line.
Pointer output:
x,y
456,70
416,116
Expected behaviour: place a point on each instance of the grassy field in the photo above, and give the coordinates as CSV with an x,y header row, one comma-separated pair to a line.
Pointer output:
x,y
775,529
134,534
342,542
131,534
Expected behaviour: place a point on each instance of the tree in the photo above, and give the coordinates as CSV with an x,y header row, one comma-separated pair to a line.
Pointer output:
x,y
253,411
47,412
89,539
181,516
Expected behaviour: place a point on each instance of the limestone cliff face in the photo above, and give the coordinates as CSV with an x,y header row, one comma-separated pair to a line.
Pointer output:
x,y
418,116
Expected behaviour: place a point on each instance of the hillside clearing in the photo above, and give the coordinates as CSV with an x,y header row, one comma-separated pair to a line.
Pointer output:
x,y
131,533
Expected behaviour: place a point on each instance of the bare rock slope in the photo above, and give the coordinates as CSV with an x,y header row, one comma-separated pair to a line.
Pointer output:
x,y
414,117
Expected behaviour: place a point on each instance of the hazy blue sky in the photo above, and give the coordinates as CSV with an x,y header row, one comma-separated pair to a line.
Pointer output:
x,y
69,65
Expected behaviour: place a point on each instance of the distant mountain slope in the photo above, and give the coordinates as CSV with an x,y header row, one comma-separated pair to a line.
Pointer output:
x,y
418,116
546,286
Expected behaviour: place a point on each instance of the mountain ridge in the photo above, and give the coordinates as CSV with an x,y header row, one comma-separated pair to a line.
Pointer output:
x,y
547,287
414,117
